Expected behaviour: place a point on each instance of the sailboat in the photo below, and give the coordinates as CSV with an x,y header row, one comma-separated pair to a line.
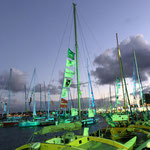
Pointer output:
x,y
91,119
10,121
70,141
145,113
126,127
33,122
49,120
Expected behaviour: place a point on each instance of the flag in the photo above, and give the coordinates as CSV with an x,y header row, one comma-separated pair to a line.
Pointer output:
x,y
74,112
71,54
64,93
63,103
67,82
69,73
90,112
70,63
117,101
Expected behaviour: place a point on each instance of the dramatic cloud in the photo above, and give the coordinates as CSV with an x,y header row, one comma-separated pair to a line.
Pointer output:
x,y
107,68
18,80
53,89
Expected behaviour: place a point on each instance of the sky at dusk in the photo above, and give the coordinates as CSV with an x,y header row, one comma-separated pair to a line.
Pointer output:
x,y
37,34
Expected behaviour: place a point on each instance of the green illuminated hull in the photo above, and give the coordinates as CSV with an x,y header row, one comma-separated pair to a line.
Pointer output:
x,y
89,121
80,143
29,123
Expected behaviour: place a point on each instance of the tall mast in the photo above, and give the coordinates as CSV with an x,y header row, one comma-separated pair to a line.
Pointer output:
x,y
40,98
48,108
140,86
123,77
119,56
34,102
90,89
45,94
77,64
88,85
110,98
25,89
9,91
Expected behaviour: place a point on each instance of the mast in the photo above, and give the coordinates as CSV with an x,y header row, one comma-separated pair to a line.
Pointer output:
x,y
40,98
110,98
77,64
123,77
140,86
45,95
34,103
10,75
115,95
134,84
25,89
90,90
88,85
119,56
48,108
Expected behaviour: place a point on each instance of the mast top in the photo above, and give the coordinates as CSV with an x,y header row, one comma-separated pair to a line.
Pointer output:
x,y
74,4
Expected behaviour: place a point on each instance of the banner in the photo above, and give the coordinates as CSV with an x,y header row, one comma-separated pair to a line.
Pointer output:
x,y
90,112
64,93
63,103
74,112
69,73
67,82
71,54
70,63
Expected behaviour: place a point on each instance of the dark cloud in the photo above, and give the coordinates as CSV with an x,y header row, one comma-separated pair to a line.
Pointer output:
x,y
53,89
18,80
107,64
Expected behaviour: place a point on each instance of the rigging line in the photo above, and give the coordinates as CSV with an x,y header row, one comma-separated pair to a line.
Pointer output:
x,y
87,50
6,83
82,62
83,40
70,31
4,86
53,69
72,104
90,30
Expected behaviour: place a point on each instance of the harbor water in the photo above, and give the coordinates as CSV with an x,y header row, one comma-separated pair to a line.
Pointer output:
x,y
13,137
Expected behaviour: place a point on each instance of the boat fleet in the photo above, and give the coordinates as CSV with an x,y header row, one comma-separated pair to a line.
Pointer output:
x,y
124,129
